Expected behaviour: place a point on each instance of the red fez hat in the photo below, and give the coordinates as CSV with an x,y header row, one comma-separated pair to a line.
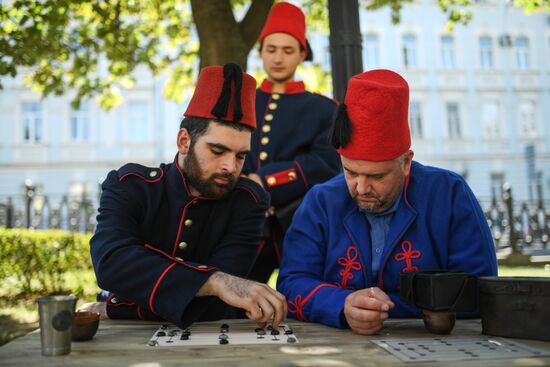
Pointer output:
x,y
377,104
286,18
224,93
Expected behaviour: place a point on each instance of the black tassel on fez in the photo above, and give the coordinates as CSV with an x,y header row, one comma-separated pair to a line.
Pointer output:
x,y
341,128
231,72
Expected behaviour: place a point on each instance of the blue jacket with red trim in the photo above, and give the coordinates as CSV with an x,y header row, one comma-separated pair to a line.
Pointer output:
x,y
327,252
156,245
290,149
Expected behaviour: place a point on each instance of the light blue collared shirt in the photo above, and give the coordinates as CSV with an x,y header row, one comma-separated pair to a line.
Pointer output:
x,y
379,228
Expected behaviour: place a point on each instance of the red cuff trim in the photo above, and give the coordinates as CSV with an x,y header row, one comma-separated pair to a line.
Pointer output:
x,y
299,303
302,173
156,286
281,178
143,178
118,304
202,268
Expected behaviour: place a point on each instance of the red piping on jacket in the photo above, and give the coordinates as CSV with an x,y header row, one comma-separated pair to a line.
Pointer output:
x,y
178,261
180,225
380,274
302,173
156,286
143,178
298,304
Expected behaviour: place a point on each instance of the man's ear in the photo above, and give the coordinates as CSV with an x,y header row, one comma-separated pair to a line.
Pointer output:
x,y
184,141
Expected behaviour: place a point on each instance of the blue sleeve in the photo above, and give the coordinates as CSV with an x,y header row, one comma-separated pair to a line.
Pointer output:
x,y
300,279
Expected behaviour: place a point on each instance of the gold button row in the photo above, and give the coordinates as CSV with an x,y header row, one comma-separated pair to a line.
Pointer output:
x,y
275,96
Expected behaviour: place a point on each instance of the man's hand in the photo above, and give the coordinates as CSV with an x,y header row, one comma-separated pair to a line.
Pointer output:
x,y
97,307
366,310
260,302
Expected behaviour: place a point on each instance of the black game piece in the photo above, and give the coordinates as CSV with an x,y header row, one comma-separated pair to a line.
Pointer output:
x,y
222,336
224,341
258,329
161,333
291,339
289,332
184,337
274,332
186,333
269,327
225,326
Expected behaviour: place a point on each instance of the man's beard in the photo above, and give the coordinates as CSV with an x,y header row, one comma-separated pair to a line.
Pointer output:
x,y
206,187
375,207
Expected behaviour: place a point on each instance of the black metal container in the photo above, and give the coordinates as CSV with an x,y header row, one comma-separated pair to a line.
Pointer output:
x,y
439,290
516,307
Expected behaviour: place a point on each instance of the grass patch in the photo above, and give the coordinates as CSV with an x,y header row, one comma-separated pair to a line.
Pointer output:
x,y
19,311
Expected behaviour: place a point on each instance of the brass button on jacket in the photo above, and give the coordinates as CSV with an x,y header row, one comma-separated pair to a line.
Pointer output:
x,y
275,96
292,176
188,223
263,156
265,140
152,174
266,128
268,117
182,245
271,181
272,106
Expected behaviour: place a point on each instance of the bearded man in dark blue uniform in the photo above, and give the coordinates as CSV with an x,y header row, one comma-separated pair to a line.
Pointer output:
x,y
289,151
173,242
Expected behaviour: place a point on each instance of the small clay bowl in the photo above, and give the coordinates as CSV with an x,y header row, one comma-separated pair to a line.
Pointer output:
x,y
439,322
84,325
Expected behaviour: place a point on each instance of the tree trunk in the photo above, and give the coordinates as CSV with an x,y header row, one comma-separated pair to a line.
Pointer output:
x,y
221,38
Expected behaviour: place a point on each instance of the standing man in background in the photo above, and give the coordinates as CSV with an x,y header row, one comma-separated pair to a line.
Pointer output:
x,y
289,150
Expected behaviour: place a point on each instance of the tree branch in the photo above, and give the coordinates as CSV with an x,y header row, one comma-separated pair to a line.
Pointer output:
x,y
254,20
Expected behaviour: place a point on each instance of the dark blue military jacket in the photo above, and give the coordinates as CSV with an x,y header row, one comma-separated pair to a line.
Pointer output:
x,y
290,149
156,245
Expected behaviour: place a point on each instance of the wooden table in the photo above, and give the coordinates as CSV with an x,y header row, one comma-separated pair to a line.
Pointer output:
x,y
123,343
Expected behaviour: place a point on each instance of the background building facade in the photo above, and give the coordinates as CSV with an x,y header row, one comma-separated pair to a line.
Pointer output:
x,y
480,105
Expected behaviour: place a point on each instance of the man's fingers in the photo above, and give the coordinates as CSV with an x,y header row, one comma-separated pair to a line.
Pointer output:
x,y
379,294
362,315
362,300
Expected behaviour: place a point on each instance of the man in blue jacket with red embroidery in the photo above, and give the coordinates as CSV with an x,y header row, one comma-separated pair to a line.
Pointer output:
x,y
175,242
353,235
289,151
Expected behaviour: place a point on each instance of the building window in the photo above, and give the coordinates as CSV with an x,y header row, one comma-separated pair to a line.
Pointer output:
x,y
453,121
415,120
410,51
139,129
371,53
527,119
32,122
491,119
486,52
521,45
80,124
448,52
